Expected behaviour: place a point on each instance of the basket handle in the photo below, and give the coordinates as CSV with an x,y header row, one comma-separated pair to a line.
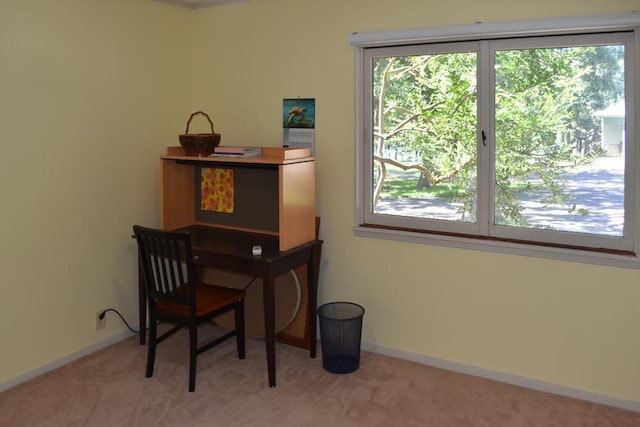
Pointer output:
x,y
204,114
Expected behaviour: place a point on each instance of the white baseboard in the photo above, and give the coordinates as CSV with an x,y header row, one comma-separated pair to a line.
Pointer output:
x,y
562,390
64,360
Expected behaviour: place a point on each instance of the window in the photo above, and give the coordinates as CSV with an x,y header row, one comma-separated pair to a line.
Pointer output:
x,y
519,141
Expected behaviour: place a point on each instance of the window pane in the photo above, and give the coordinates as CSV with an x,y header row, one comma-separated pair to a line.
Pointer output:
x,y
424,136
559,154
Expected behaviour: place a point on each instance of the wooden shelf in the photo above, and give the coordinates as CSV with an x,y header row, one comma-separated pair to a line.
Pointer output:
x,y
274,194
270,155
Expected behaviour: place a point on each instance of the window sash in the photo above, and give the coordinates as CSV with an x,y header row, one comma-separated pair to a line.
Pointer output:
x,y
368,164
624,243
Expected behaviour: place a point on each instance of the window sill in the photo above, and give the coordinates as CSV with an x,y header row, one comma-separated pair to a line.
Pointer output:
x,y
496,246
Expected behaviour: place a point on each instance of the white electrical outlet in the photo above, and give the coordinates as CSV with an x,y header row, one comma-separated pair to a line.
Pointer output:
x,y
100,323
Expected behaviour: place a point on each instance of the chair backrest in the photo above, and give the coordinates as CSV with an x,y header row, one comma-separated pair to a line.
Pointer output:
x,y
167,265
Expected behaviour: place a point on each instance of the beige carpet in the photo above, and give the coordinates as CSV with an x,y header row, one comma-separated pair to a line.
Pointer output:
x,y
108,388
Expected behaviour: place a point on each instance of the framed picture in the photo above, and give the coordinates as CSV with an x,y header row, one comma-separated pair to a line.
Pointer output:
x,y
299,113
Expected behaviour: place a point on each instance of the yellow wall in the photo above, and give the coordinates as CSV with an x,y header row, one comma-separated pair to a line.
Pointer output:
x,y
90,93
92,90
566,323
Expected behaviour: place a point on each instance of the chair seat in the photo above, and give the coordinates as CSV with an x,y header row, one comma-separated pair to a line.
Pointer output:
x,y
208,298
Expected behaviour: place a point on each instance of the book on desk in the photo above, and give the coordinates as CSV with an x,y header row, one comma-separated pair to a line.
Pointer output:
x,y
233,151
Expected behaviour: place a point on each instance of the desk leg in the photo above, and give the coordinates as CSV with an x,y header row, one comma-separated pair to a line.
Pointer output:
x,y
142,306
270,325
313,272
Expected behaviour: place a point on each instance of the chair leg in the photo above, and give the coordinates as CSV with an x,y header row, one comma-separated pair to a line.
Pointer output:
x,y
193,352
240,337
151,347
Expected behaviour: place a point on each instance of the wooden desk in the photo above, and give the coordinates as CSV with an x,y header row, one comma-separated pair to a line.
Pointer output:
x,y
231,250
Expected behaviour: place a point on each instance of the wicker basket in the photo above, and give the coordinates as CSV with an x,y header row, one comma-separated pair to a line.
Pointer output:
x,y
199,144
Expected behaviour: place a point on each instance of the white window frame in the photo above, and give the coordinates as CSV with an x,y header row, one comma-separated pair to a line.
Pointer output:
x,y
364,227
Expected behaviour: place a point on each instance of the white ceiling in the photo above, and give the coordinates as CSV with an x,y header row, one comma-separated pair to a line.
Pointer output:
x,y
197,4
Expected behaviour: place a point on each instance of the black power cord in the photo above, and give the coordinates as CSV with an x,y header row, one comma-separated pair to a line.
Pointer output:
x,y
101,316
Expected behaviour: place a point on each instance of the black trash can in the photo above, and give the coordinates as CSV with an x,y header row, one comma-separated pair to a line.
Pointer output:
x,y
340,330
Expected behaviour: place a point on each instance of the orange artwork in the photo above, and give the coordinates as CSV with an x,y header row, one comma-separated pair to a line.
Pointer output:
x,y
216,190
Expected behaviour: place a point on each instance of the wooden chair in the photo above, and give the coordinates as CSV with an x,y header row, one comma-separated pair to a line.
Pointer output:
x,y
174,295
